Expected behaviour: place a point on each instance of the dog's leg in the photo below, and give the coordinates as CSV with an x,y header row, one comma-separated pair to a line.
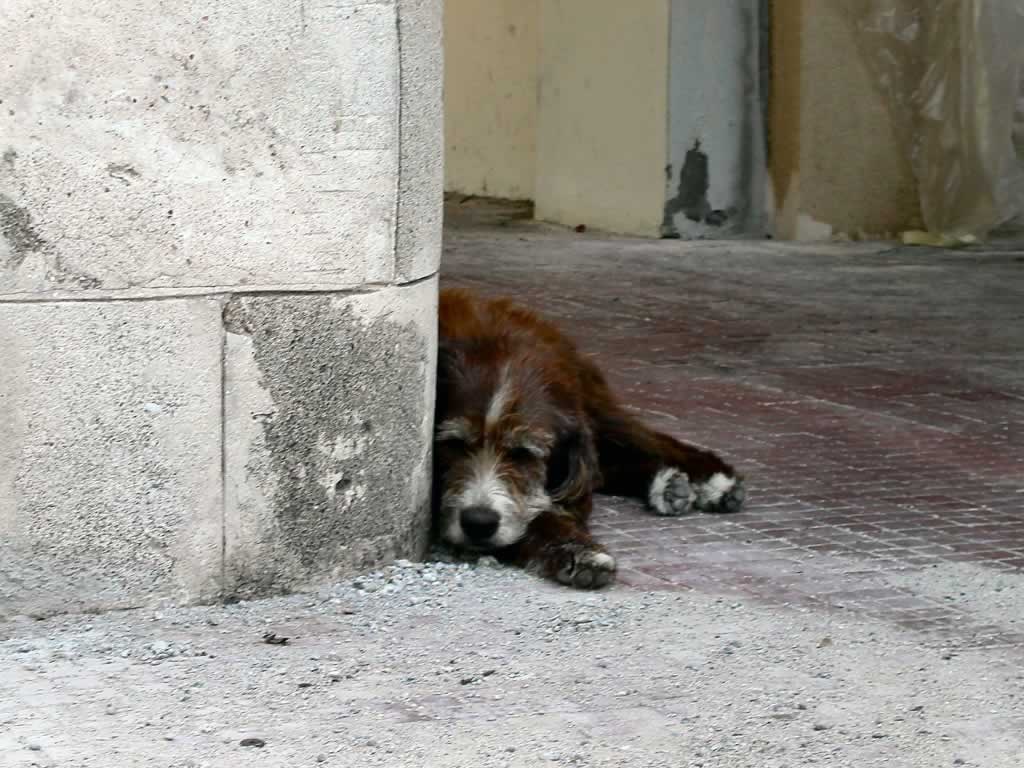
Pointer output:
x,y
671,476
558,546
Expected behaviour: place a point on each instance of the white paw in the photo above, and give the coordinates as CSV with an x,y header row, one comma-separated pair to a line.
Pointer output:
x,y
671,494
587,569
720,493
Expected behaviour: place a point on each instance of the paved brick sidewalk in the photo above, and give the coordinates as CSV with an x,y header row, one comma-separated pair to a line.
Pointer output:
x,y
874,397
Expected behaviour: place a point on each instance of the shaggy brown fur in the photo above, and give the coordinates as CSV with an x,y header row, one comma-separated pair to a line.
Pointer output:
x,y
527,431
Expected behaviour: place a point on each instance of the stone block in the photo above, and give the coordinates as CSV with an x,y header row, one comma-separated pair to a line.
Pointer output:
x,y
110,454
194,145
209,367
328,418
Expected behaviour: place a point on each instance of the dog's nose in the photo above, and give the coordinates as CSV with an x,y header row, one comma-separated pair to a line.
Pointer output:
x,y
479,523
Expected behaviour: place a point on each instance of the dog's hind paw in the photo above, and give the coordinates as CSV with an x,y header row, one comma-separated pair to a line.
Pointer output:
x,y
720,493
671,493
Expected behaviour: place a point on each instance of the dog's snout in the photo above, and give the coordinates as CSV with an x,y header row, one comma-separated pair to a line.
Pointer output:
x,y
479,523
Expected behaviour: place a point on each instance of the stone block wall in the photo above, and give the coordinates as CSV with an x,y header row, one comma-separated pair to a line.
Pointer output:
x,y
219,236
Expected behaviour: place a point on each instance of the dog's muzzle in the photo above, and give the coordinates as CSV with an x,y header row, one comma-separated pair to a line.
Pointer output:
x,y
479,524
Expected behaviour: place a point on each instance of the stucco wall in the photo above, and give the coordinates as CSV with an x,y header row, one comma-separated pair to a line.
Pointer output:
x,y
601,143
491,58
219,230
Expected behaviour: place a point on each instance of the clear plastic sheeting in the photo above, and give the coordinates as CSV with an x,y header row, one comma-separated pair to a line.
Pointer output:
x,y
952,72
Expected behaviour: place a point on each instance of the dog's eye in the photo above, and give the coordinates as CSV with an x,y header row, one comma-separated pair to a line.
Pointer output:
x,y
521,454
452,443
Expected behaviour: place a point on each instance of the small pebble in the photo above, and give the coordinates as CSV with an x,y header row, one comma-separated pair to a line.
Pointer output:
x,y
252,742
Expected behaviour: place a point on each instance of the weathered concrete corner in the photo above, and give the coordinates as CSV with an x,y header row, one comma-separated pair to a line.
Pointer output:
x,y
219,231
328,413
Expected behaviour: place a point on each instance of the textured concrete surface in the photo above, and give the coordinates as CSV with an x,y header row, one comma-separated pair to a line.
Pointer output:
x,y
110,488
438,666
328,409
219,226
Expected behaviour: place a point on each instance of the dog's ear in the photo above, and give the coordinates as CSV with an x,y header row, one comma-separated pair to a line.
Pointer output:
x,y
572,467
445,355
449,361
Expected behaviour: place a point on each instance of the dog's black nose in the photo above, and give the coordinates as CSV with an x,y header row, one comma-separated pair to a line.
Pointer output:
x,y
479,523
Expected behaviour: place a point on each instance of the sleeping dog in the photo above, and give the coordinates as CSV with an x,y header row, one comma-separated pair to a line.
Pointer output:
x,y
527,430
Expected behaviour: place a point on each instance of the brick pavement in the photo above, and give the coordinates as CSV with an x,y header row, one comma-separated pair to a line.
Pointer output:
x,y
873,395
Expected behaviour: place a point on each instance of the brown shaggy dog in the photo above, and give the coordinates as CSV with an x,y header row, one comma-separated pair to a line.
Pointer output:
x,y
527,431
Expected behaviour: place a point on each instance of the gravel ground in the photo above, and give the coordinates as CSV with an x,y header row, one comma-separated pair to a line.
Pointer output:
x,y
449,664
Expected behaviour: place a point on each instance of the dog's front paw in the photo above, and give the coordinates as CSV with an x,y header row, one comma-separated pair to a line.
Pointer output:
x,y
584,568
671,493
720,493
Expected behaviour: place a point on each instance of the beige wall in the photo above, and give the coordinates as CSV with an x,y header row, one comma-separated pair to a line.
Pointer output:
x,y
562,102
491,54
566,102
601,141
837,164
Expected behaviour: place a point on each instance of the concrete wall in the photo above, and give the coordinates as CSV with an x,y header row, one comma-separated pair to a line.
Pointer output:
x,y
582,105
716,173
491,59
602,124
588,104
838,164
219,230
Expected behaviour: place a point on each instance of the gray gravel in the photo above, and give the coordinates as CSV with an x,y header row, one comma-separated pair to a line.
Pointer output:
x,y
456,665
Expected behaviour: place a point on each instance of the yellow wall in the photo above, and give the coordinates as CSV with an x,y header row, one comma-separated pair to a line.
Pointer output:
x,y
837,163
491,55
602,122
566,102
